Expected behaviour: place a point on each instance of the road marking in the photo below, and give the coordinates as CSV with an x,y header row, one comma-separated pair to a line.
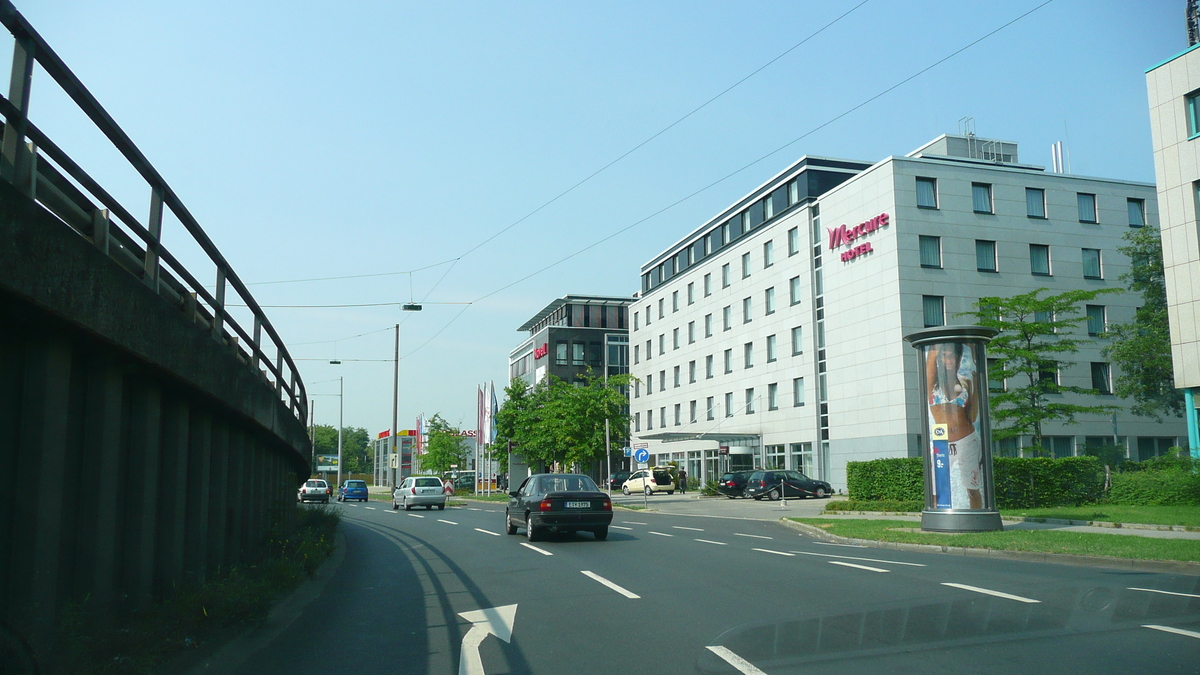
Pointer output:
x,y
451,522
496,621
756,536
1177,631
693,529
718,543
736,661
618,527
536,549
472,508
661,534
829,543
630,522
850,557
369,508
861,567
390,511
611,585
985,591
767,550
413,515
495,534
1155,590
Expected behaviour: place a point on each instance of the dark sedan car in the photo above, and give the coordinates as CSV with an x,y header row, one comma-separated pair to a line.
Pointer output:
x,y
776,484
558,502
733,484
618,479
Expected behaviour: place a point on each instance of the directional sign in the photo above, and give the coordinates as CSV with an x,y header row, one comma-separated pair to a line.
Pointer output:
x,y
496,621
641,455
628,451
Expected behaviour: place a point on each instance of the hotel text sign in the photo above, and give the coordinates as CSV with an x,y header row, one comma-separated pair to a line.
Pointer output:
x,y
845,236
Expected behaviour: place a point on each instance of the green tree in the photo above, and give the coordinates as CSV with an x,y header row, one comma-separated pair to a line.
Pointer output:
x,y
1037,336
1142,347
445,447
355,458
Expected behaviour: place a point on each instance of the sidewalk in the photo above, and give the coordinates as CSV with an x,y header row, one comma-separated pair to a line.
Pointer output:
x,y
1020,523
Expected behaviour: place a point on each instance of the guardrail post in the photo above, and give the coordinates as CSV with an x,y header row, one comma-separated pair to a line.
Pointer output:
x,y
154,225
100,230
219,311
18,94
257,344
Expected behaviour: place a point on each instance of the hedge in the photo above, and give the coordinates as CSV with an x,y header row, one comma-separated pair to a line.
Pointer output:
x,y
1020,482
1155,488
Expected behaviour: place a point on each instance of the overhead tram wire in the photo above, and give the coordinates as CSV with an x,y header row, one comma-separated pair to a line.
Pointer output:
x,y
743,168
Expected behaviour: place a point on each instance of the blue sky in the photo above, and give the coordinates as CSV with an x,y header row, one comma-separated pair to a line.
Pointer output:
x,y
382,137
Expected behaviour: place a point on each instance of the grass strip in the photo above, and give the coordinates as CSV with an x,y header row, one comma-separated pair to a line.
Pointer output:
x,y
1186,516
1035,541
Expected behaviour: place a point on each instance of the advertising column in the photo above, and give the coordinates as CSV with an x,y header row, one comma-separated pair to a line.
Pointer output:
x,y
952,368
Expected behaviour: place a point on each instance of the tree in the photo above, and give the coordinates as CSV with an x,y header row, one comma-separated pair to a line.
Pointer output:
x,y
354,447
1036,335
445,447
1142,347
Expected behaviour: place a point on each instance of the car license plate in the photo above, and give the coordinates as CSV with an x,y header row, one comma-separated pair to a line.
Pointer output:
x,y
579,505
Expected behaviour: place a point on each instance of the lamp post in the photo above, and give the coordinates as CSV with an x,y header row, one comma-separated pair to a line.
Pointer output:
x,y
341,423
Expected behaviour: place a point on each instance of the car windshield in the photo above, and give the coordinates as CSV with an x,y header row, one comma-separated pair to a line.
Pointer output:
x,y
428,482
567,483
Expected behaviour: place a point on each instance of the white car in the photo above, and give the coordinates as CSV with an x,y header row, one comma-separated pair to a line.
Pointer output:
x,y
314,490
427,491
649,481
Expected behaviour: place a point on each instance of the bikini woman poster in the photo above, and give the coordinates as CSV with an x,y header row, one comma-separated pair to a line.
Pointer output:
x,y
952,384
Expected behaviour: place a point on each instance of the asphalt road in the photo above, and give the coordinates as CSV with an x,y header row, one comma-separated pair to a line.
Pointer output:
x,y
677,593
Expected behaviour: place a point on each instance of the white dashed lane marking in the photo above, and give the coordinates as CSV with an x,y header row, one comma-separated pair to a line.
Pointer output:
x,y
371,508
1177,631
448,522
767,550
413,515
718,543
693,529
736,661
618,527
861,567
850,557
661,534
755,536
543,552
494,534
829,543
987,591
630,522
611,585
1155,590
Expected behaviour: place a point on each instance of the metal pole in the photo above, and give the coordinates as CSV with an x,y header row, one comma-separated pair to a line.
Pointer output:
x,y
395,407
341,423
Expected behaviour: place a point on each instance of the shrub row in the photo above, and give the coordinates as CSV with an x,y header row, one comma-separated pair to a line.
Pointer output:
x,y
882,505
897,478
1155,488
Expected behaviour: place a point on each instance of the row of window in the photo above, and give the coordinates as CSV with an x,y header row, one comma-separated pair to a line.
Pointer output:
x,y
930,249
731,409
1035,202
769,308
727,363
1148,447
934,314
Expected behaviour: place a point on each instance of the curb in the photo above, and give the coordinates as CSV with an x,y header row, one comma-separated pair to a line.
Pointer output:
x,y
1169,566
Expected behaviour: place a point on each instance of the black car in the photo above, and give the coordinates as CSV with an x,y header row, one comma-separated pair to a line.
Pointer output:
x,y
788,484
733,483
558,502
618,479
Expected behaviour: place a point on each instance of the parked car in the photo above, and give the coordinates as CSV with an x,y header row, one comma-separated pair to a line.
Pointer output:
x,y
618,479
774,484
655,479
427,491
352,489
558,502
314,490
732,484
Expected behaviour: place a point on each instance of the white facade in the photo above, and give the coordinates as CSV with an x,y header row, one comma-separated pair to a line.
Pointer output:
x,y
860,392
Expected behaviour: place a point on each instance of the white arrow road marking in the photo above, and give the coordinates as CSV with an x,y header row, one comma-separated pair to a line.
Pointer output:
x,y
861,567
611,585
985,591
536,549
496,534
496,621
1154,590
1177,631
736,661
693,529
767,550
756,536
850,557
449,522
718,543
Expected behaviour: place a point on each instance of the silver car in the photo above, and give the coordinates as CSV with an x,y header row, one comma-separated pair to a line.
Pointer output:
x,y
427,491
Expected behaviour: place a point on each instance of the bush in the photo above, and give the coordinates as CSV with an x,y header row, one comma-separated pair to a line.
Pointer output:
x,y
1161,487
881,505
899,478
710,489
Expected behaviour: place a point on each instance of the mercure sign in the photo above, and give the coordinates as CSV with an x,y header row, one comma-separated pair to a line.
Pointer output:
x,y
845,236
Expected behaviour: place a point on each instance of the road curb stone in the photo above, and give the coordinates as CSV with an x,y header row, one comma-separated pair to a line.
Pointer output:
x,y
1168,566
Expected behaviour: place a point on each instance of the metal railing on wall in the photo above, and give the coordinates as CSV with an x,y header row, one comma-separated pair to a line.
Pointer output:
x,y
36,166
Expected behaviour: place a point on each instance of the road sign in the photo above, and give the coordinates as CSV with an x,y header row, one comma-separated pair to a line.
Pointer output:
x,y
640,445
642,455
628,452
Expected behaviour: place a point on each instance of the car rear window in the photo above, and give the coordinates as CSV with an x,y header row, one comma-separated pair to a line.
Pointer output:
x,y
428,482
567,483
757,475
356,483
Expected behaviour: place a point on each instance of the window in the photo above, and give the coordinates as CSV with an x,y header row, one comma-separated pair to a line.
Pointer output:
x,y
661,304
745,265
728,361
1149,447
746,317
771,354
662,343
649,420
691,293
725,275
768,254
794,290
647,315
1048,373
691,332
769,301
637,389
793,241
931,251
1035,202
1096,321
1044,317
927,193
1091,264
649,384
707,285
748,354
635,320
726,317
995,383
1101,381
676,373
662,380
797,340
985,255
750,401
1192,114
772,396
678,418
981,197
1039,260
674,301
709,405
648,349
662,417
692,412
933,310
691,372
1087,207
729,404
1137,212
708,367
798,392
708,325
560,353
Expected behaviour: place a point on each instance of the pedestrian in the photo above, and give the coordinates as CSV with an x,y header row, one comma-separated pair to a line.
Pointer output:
x,y
682,481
